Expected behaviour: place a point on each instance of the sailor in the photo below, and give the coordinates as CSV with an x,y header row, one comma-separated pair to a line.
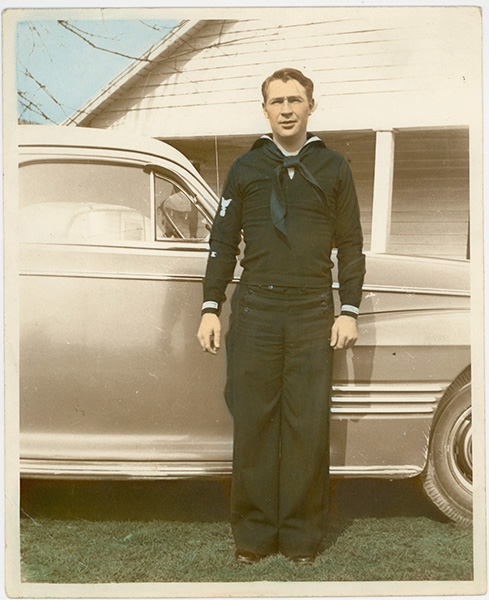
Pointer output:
x,y
293,200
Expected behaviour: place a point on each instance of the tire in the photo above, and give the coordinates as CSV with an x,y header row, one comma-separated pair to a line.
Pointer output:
x,y
447,479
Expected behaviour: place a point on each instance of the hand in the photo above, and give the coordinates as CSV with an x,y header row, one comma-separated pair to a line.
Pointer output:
x,y
209,333
344,333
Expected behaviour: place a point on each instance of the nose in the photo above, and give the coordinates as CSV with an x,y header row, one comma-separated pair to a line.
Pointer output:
x,y
286,108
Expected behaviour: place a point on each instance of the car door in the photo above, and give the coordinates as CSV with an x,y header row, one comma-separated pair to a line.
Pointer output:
x,y
112,261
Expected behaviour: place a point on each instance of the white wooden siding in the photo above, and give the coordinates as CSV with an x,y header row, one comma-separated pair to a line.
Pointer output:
x,y
374,68
430,208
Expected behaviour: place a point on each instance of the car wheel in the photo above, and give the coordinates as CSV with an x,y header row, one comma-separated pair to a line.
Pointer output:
x,y
447,479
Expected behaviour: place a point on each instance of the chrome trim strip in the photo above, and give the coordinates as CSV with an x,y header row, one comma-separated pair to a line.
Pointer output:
x,y
383,410
408,290
398,471
178,470
404,388
151,277
401,290
179,277
372,400
122,469
407,399
149,248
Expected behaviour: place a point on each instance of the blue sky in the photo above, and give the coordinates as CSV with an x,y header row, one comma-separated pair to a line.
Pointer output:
x,y
57,70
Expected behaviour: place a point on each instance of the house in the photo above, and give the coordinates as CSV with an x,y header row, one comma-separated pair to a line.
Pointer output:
x,y
398,90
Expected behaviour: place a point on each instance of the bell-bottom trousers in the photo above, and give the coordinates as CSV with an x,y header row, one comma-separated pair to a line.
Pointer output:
x,y
278,391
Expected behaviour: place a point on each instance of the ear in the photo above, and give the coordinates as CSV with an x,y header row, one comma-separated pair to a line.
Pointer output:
x,y
312,106
264,108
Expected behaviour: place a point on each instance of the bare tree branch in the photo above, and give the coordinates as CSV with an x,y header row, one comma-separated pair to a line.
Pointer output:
x,y
42,87
49,33
69,27
81,34
32,40
35,32
84,32
156,28
32,106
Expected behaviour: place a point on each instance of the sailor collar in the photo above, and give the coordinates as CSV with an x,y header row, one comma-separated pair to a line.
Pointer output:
x,y
311,138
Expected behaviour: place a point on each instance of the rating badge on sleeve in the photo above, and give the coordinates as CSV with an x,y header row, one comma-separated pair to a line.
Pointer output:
x,y
224,205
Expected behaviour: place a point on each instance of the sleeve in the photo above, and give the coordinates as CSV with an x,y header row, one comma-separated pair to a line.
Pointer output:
x,y
224,244
349,241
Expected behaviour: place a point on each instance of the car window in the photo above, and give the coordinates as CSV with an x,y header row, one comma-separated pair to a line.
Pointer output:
x,y
177,217
109,223
84,202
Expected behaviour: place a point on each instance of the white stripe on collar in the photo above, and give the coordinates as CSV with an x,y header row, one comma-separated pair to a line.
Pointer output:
x,y
313,138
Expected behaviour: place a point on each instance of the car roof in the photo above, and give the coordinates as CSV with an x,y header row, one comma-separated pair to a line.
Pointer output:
x,y
70,136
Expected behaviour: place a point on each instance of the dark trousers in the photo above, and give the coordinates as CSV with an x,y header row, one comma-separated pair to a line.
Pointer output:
x,y
278,391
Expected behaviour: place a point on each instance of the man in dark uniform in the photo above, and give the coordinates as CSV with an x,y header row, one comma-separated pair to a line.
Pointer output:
x,y
293,199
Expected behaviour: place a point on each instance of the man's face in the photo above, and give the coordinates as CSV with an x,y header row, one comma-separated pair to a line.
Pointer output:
x,y
287,108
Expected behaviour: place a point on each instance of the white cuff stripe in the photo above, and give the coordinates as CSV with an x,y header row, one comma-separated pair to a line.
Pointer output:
x,y
210,304
350,308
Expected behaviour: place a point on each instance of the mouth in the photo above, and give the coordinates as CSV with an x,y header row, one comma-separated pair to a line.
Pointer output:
x,y
287,124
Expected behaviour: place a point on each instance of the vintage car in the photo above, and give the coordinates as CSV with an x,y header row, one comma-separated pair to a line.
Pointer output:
x,y
113,383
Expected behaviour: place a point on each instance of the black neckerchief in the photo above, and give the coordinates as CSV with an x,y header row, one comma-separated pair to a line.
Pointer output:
x,y
278,206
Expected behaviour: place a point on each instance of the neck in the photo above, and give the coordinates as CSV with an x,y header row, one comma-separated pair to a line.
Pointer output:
x,y
290,144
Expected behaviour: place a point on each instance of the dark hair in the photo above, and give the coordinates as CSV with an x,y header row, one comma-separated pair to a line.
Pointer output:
x,y
285,75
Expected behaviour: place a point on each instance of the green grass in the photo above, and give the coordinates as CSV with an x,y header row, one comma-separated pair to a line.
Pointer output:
x,y
98,532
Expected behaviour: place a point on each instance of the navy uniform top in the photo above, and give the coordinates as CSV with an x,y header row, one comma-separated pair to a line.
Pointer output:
x,y
317,219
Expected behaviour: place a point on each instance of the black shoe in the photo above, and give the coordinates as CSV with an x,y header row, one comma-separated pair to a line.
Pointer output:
x,y
303,559
243,557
